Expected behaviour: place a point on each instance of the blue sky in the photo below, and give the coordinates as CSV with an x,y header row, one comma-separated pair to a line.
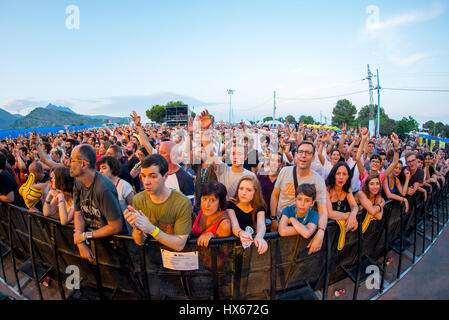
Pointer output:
x,y
131,55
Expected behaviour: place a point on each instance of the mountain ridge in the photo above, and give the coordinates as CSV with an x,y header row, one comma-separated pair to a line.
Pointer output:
x,y
54,117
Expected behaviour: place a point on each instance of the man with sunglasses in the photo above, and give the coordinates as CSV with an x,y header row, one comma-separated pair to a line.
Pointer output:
x,y
97,209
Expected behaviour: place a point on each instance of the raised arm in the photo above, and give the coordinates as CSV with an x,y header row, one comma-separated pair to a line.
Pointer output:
x,y
365,136
142,135
393,164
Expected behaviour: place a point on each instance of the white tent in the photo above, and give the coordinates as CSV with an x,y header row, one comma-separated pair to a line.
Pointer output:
x,y
274,123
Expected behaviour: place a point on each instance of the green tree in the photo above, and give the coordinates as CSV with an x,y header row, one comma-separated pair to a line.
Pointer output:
x,y
429,127
306,119
156,113
387,125
175,103
445,131
280,119
267,119
193,115
406,125
291,119
439,129
344,112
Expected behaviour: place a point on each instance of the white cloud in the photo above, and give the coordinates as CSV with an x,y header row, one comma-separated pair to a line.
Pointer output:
x,y
406,61
374,25
304,73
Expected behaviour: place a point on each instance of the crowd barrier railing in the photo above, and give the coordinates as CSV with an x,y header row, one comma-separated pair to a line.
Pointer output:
x,y
40,246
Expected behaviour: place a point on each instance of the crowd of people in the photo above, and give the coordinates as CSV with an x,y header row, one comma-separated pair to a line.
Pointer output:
x,y
208,179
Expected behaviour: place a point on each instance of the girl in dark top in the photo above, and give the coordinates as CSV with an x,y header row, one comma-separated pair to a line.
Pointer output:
x,y
341,205
247,208
392,186
371,200
212,220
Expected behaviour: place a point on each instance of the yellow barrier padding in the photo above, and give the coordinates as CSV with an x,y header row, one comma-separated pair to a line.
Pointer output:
x,y
30,195
367,221
342,236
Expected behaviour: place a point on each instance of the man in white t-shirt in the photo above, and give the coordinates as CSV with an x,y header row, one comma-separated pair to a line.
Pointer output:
x,y
284,190
230,176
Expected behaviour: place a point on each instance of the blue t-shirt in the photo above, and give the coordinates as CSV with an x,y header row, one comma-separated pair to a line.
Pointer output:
x,y
311,217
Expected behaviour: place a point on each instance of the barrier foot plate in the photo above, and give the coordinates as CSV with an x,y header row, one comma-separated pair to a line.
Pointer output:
x,y
303,293
27,269
352,272
4,249
89,293
420,228
396,245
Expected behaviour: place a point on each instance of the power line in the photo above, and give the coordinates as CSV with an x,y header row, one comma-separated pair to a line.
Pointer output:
x,y
410,89
328,97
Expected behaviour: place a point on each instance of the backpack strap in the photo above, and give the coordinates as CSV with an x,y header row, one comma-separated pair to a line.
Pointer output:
x,y
295,178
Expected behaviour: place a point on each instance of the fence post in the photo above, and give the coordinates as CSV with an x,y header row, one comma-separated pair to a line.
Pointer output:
x,y
359,257
33,260
55,258
97,269
12,252
384,266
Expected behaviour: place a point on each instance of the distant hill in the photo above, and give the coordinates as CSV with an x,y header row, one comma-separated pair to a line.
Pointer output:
x,y
59,108
54,117
6,119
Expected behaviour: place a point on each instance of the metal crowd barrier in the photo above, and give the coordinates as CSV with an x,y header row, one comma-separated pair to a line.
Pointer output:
x,y
44,247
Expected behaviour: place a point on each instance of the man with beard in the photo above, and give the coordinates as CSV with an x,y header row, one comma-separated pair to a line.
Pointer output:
x,y
95,201
130,162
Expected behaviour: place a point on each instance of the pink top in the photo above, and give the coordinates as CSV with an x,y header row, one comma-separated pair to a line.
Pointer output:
x,y
197,231
365,176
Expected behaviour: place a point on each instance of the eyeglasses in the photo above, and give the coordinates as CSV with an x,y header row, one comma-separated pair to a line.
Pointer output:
x,y
77,160
306,153
411,161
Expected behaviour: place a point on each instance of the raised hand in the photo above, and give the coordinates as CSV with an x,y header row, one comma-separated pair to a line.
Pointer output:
x,y
205,120
365,133
136,118
395,139
190,126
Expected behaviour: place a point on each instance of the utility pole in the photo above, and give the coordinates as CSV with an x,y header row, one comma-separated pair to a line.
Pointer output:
x,y
230,92
274,107
378,104
371,102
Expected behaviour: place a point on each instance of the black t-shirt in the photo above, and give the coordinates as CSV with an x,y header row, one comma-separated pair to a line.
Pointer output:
x,y
244,219
417,177
431,171
185,182
252,161
98,203
124,174
8,184
130,165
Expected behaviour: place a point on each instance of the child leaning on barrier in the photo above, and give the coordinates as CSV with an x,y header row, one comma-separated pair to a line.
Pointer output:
x,y
301,218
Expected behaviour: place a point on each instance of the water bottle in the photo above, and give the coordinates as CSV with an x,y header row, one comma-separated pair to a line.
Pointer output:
x,y
248,232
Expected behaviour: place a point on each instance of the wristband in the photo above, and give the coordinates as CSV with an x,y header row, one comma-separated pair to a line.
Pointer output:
x,y
319,228
155,232
273,218
238,234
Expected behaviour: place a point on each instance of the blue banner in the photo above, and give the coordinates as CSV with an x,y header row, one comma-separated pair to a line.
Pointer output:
x,y
14,133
